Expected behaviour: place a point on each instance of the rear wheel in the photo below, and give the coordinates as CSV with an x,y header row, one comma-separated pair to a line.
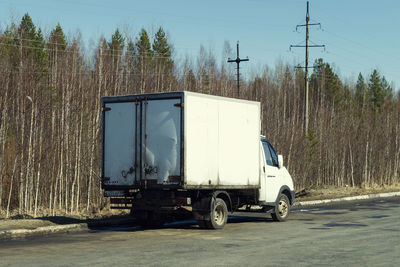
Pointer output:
x,y
219,214
282,209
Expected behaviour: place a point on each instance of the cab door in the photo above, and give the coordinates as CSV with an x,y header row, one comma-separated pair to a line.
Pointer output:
x,y
272,176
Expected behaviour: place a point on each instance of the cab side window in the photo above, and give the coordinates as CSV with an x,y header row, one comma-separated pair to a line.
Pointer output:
x,y
273,155
268,157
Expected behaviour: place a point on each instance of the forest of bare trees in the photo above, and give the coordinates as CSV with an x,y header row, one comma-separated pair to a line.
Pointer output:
x,y
50,119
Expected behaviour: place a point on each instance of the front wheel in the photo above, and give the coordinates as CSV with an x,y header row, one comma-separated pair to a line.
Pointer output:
x,y
282,209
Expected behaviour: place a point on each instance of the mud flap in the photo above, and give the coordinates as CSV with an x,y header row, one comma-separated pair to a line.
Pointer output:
x,y
202,209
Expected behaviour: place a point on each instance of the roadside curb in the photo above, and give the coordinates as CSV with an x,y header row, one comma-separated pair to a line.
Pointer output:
x,y
65,228
43,230
326,201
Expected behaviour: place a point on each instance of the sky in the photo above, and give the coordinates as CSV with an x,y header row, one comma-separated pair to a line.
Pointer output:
x,y
359,35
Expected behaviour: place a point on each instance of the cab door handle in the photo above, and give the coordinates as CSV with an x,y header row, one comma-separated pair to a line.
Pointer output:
x,y
271,176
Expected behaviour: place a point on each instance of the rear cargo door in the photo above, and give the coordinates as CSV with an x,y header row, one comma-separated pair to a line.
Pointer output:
x,y
161,141
120,124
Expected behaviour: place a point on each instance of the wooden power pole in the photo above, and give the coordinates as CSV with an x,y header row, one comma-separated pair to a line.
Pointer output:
x,y
306,98
237,60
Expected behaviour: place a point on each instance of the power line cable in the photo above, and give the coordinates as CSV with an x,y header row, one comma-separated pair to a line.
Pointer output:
x,y
106,52
362,45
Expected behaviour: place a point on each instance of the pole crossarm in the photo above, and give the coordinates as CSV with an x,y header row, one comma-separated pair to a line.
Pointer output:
x,y
310,24
307,46
237,60
303,67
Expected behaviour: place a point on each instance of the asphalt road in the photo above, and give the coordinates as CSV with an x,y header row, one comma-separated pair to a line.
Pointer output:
x,y
363,233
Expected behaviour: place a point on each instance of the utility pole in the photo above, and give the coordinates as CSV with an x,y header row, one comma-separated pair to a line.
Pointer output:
x,y
306,66
237,60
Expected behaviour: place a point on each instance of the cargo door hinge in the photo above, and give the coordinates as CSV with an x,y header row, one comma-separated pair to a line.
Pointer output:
x,y
179,105
105,109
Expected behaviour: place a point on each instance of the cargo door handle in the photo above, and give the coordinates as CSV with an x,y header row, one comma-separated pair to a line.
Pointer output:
x,y
270,176
125,173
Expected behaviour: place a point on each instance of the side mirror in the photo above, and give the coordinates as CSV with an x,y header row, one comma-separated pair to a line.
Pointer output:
x,y
280,161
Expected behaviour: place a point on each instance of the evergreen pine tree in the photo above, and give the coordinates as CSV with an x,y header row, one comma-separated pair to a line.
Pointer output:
x,y
361,92
9,39
161,48
117,41
40,57
143,46
144,56
33,40
388,89
325,79
27,29
376,90
57,37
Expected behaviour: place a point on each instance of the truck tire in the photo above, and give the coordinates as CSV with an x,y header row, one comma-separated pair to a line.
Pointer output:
x,y
282,209
218,215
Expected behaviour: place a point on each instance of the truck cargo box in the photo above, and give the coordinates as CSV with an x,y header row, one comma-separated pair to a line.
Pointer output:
x,y
180,140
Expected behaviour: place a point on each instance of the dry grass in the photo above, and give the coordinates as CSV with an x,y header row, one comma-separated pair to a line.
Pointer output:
x,y
81,215
337,192
311,194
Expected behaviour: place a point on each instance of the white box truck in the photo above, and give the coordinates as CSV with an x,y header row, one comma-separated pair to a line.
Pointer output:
x,y
165,151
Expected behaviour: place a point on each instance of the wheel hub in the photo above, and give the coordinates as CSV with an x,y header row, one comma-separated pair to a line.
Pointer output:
x,y
219,216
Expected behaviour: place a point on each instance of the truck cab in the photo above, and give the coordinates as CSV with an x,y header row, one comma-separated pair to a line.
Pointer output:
x,y
276,182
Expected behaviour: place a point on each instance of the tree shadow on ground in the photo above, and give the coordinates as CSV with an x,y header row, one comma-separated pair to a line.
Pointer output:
x,y
92,223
